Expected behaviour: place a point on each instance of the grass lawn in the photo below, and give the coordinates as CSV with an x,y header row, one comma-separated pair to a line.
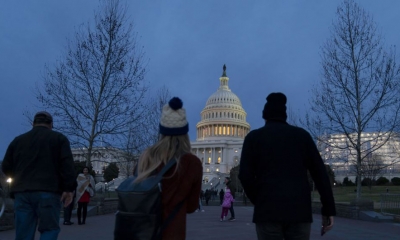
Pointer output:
x,y
347,194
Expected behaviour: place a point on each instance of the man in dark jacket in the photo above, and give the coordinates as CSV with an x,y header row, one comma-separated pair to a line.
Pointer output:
x,y
41,166
273,171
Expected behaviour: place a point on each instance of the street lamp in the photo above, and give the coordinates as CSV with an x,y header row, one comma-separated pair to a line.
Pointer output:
x,y
9,180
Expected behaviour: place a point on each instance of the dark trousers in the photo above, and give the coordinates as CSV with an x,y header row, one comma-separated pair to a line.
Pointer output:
x,y
232,211
279,231
82,211
68,212
37,210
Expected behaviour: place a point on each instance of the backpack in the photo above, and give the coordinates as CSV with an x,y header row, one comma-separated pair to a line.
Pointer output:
x,y
139,214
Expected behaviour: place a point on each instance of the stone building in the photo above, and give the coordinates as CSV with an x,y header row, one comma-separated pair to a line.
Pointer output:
x,y
220,134
381,153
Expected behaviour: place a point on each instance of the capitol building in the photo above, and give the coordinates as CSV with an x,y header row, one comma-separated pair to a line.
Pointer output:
x,y
220,134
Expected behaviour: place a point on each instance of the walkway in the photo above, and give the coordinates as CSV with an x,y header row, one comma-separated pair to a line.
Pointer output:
x,y
206,226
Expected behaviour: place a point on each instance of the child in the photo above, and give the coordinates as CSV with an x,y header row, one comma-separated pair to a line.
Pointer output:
x,y
226,204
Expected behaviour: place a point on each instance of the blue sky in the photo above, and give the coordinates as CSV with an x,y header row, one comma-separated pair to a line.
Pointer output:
x,y
267,46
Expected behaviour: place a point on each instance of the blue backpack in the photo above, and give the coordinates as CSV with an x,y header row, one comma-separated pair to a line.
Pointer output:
x,y
139,214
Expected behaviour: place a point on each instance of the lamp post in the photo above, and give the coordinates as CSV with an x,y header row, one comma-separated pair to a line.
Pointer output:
x,y
9,180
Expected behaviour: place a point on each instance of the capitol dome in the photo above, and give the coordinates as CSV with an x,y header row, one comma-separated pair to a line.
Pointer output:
x,y
223,116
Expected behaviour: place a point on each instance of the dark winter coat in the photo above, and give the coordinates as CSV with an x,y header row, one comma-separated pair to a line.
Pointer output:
x,y
40,160
273,172
184,185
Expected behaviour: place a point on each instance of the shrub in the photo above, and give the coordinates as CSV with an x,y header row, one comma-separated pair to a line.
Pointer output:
x,y
382,181
396,181
366,182
347,182
111,172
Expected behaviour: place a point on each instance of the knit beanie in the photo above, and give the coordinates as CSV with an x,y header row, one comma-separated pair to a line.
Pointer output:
x,y
275,107
42,117
173,118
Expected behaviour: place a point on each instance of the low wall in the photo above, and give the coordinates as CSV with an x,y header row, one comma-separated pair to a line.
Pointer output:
x,y
347,210
107,205
7,220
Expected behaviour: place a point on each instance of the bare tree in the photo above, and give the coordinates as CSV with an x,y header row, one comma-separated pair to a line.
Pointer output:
x,y
371,166
359,90
143,133
156,105
96,90
293,117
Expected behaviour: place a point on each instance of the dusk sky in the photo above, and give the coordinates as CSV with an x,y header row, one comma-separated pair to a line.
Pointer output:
x,y
267,46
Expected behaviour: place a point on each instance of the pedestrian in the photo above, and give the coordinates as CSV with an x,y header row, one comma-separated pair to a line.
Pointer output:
x,y
229,186
68,212
181,183
207,194
226,203
221,196
273,172
42,168
84,191
200,206
244,198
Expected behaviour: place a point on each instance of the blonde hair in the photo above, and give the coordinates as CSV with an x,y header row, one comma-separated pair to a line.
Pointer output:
x,y
165,149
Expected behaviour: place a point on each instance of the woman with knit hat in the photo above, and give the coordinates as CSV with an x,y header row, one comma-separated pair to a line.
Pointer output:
x,y
182,183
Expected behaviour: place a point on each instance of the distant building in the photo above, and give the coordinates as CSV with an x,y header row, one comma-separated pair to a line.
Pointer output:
x,y
335,152
220,134
102,156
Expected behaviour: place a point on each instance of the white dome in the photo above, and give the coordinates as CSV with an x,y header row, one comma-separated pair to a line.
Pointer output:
x,y
223,98
223,116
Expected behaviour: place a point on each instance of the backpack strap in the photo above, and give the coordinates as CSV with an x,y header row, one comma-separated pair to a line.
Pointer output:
x,y
167,166
165,223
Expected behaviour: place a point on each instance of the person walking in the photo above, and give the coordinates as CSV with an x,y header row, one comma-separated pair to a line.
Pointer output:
x,y
221,196
207,195
182,183
229,186
200,206
42,168
84,191
226,203
273,172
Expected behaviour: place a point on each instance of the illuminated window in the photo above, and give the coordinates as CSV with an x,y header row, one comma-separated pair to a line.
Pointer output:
x,y
217,170
224,131
208,170
219,130
219,159
209,160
